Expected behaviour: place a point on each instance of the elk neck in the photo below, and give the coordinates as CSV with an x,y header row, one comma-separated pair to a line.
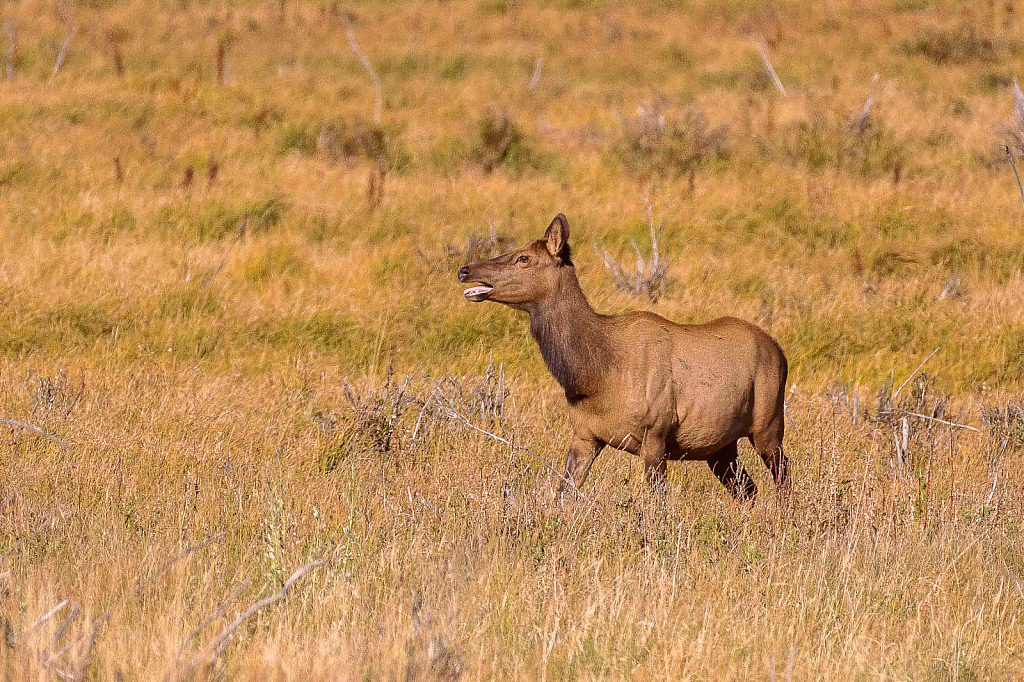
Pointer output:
x,y
571,336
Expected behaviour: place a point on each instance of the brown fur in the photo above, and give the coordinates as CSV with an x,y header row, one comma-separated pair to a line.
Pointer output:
x,y
639,382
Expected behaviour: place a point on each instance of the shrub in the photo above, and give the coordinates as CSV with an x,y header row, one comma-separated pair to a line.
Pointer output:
x,y
501,143
653,144
862,144
338,139
950,46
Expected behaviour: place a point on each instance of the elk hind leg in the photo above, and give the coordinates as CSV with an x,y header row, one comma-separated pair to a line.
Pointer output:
x,y
768,444
726,466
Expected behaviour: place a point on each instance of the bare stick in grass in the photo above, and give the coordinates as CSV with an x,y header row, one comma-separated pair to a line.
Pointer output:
x,y
1015,174
65,624
227,475
535,78
118,62
449,408
202,626
936,419
995,479
222,50
68,35
49,614
863,120
897,393
771,69
361,56
93,632
208,277
216,614
12,48
216,648
41,432
650,278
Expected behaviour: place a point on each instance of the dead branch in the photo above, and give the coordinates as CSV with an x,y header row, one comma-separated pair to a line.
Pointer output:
x,y
63,51
1018,105
936,419
863,119
12,48
202,626
1010,156
995,479
535,78
91,635
771,69
216,648
897,393
49,614
449,408
218,613
65,624
361,56
41,432
231,484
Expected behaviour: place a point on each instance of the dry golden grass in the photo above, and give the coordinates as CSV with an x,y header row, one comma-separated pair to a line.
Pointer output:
x,y
190,334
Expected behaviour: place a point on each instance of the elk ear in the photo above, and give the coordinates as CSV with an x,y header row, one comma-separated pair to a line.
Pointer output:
x,y
556,238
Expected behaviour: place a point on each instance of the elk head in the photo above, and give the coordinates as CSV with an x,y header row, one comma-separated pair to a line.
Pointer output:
x,y
523,277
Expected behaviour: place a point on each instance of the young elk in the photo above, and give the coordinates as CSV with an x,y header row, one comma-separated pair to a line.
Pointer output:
x,y
639,382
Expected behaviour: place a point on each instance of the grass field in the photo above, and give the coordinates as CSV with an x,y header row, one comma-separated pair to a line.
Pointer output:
x,y
227,291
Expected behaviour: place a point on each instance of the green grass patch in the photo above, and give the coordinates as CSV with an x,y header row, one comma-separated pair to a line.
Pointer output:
x,y
325,332
271,261
214,221
455,68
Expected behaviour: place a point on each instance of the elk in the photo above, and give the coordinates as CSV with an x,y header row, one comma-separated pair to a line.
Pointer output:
x,y
639,382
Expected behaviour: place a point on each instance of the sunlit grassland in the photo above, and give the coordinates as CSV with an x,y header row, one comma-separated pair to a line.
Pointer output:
x,y
231,292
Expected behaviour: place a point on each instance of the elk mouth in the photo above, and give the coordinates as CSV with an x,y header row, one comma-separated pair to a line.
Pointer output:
x,y
478,293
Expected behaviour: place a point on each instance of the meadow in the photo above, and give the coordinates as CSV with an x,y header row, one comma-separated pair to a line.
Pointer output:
x,y
277,443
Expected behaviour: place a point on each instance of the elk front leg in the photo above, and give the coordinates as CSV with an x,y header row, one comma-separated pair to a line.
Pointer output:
x,y
726,465
578,463
652,451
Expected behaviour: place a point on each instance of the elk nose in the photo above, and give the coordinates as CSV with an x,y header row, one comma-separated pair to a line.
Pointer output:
x,y
463,273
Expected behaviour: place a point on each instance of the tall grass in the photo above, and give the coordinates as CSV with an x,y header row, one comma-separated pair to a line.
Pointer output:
x,y
274,353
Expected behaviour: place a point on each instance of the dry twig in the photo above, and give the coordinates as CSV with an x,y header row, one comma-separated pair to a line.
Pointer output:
x,y
12,48
361,56
936,419
202,626
449,408
1010,157
216,648
49,614
91,635
771,69
41,432
68,35
897,393
535,78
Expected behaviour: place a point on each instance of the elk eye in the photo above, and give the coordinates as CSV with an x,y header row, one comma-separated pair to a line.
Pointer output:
x,y
523,259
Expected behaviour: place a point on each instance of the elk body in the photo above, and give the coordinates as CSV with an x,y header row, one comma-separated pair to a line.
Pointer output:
x,y
639,382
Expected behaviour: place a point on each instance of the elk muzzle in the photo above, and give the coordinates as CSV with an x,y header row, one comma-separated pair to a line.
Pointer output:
x,y
477,293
